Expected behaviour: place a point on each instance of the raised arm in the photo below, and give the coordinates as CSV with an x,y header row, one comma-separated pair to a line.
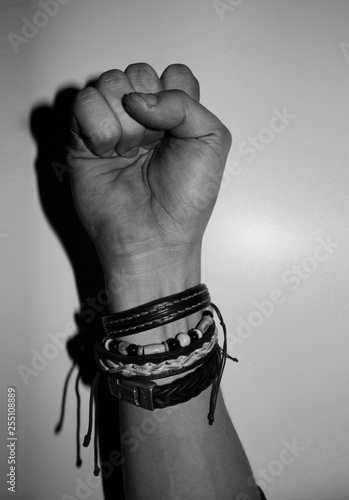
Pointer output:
x,y
147,160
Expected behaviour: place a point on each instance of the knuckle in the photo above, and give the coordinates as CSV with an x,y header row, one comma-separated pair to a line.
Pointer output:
x,y
180,76
99,133
179,69
139,68
106,129
111,79
143,76
84,96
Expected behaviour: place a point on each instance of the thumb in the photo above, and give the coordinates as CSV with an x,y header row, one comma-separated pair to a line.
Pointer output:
x,y
179,114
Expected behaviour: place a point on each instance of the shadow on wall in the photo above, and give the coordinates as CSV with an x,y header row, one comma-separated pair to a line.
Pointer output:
x,y
50,129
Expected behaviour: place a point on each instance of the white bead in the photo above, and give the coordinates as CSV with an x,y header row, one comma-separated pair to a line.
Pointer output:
x,y
205,323
122,348
107,343
140,350
153,349
183,339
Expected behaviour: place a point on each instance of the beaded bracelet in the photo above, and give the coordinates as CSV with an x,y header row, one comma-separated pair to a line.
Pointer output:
x,y
158,312
102,353
164,369
182,339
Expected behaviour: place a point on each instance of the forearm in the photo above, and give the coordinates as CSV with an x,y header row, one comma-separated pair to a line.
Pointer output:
x,y
173,453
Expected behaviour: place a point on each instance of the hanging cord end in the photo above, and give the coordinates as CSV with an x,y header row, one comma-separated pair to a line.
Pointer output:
x,y
213,397
87,440
217,382
88,435
230,357
58,428
214,394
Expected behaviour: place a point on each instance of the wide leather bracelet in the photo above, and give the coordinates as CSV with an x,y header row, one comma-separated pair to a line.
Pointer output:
x,y
149,395
158,312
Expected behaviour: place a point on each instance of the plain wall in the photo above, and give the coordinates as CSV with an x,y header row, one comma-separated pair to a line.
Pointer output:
x,y
280,199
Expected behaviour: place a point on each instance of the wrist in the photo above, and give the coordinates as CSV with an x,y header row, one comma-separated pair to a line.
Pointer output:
x,y
135,281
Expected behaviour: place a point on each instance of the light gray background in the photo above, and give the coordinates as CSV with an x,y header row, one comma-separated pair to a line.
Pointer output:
x,y
253,59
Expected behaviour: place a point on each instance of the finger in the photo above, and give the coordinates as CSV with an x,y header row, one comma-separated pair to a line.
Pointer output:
x,y
95,127
179,76
145,79
113,85
181,115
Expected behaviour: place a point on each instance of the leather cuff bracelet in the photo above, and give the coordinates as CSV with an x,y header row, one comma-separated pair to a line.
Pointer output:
x,y
158,312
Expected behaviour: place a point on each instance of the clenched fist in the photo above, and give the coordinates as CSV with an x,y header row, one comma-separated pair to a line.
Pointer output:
x,y
147,160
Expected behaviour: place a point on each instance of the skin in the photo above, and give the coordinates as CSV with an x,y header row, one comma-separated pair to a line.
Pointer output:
x,y
147,161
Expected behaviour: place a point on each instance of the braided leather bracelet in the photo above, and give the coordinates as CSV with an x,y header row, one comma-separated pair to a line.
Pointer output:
x,y
148,395
158,312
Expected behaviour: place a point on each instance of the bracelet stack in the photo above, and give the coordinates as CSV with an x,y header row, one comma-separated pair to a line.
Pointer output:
x,y
133,368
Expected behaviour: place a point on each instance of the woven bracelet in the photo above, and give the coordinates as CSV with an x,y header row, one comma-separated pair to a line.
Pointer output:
x,y
157,313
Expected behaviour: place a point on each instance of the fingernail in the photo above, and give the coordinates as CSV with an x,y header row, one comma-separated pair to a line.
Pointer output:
x,y
151,146
123,101
131,153
149,99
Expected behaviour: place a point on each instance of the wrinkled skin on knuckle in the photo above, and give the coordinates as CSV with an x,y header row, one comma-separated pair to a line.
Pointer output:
x,y
83,97
112,80
140,69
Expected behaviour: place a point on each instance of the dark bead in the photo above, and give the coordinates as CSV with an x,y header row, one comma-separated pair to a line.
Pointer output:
x,y
208,313
173,344
132,350
193,335
113,346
